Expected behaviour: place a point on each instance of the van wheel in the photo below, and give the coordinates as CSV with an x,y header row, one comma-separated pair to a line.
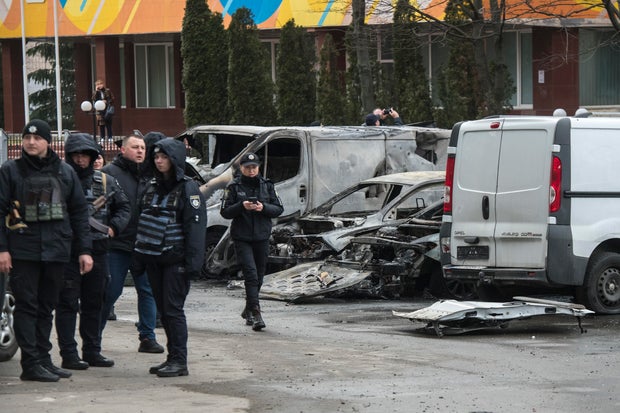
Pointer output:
x,y
600,291
492,293
453,289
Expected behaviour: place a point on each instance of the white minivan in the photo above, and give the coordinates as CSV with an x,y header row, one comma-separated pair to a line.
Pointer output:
x,y
535,201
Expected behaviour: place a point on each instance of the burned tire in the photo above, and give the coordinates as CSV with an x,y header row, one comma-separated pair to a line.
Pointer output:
x,y
211,240
8,342
600,291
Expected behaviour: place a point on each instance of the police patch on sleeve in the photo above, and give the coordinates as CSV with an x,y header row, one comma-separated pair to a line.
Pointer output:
x,y
194,200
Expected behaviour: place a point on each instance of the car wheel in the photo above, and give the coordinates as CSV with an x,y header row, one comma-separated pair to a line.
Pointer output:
x,y
600,291
8,342
211,240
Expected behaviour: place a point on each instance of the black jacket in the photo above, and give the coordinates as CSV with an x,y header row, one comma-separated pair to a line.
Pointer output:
x,y
48,241
118,206
250,225
191,207
128,176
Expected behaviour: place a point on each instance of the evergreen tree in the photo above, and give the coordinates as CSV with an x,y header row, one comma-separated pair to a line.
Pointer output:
x,y
354,113
331,99
296,76
250,88
413,100
204,51
459,89
43,101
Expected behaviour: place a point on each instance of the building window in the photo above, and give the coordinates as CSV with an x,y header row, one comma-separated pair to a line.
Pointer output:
x,y
123,92
599,60
517,51
154,75
386,49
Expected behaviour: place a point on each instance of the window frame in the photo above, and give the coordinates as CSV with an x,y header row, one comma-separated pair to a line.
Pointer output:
x,y
169,75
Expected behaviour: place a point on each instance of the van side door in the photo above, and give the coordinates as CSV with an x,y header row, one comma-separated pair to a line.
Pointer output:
x,y
284,156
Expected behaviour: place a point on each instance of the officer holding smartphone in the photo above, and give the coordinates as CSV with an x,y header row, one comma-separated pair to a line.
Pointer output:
x,y
251,202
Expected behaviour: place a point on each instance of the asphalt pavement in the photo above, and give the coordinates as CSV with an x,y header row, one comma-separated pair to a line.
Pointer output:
x,y
333,355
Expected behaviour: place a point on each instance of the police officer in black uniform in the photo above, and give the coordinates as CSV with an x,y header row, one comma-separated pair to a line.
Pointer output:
x,y
42,208
110,211
251,202
170,244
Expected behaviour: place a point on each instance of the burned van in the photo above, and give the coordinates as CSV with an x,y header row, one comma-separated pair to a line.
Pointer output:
x,y
309,164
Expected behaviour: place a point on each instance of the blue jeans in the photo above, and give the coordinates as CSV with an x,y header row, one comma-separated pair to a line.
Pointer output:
x,y
147,312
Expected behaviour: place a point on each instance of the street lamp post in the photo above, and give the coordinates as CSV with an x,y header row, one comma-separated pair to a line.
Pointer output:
x,y
88,107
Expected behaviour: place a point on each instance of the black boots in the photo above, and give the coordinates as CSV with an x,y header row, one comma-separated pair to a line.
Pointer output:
x,y
55,370
258,323
247,316
97,360
73,362
150,346
38,373
154,369
172,369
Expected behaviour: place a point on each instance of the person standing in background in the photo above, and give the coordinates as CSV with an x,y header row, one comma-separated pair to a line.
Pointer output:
x,y
384,114
99,162
126,168
104,117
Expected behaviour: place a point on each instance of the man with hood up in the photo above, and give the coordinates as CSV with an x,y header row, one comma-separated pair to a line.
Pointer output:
x,y
170,245
109,214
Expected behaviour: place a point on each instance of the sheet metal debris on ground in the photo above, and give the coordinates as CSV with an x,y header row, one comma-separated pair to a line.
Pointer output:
x,y
456,317
310,280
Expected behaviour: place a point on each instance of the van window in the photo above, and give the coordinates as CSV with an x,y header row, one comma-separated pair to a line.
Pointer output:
x,y
281,159
477,160
419,200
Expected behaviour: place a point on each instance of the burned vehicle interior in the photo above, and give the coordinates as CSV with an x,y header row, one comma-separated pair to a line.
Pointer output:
x,y
280,159
305,239
387,260
386,263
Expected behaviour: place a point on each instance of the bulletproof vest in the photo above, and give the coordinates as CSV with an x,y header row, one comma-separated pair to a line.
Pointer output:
x,y
97,189
158,229
43,198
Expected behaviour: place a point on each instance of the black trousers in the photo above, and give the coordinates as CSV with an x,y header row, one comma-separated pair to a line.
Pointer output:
x,y
106,127
83,294
252,257
170,287
35,286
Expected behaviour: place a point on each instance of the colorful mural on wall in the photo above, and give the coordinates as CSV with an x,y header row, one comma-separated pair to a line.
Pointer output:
x,y
118,17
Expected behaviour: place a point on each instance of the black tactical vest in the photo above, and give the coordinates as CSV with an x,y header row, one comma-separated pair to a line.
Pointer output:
x,y
158,229
44,199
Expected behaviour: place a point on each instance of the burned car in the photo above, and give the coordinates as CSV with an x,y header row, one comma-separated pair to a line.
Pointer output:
x,y
327,228
394,260
376,203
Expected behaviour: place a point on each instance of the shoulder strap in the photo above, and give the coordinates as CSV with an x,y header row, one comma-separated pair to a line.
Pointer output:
x,y
104,181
